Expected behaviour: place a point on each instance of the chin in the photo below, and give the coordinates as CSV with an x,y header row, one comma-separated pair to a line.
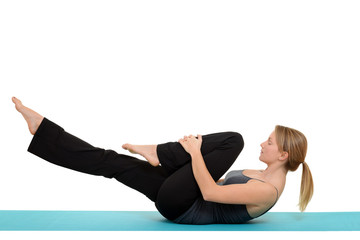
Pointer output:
x,y
262,160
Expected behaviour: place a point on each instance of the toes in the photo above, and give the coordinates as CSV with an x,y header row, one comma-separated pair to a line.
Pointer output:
x,y
129,147
15,100
18,104
124,146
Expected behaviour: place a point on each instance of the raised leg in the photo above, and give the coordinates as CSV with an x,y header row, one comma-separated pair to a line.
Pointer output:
x,y
52,143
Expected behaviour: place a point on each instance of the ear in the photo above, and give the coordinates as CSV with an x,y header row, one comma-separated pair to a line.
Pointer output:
x,y
284,156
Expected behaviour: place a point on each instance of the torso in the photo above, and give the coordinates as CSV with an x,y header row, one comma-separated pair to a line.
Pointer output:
x,y
257,210
205,212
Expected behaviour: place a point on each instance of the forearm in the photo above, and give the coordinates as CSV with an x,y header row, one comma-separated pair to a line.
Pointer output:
x,y
202,176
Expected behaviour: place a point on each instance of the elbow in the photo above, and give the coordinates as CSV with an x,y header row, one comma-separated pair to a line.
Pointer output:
x,y
206,197
209,195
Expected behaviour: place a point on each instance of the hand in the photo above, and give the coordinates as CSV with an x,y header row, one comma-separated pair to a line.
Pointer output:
x,y
191,144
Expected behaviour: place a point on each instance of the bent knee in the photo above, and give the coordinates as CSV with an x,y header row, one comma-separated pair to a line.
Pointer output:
x,y
236,139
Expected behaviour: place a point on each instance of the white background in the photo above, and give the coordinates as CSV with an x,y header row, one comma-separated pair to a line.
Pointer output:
x,y
148,72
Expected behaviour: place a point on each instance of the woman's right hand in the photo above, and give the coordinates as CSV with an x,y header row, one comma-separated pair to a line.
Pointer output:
x,y
191,144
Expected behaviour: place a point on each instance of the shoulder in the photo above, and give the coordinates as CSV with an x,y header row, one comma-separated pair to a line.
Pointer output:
x,y
252,173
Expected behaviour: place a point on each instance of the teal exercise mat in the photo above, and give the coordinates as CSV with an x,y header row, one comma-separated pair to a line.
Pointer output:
x,y
153,221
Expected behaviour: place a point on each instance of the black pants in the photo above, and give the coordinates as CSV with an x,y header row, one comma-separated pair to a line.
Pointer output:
x,y
171,186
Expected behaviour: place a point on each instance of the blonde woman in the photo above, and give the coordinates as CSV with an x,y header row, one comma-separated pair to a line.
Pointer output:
x,y
183,178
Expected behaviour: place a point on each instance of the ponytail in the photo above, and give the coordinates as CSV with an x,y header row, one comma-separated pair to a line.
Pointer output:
x,y
307,187
295,143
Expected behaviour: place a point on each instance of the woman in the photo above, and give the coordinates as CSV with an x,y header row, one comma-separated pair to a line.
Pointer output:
x,y
182,178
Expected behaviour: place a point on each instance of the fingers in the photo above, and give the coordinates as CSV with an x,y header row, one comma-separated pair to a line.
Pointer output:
x,y
183,139
187,137
190,136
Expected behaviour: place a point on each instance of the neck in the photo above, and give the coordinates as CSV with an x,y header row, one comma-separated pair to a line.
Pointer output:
x,y
275,170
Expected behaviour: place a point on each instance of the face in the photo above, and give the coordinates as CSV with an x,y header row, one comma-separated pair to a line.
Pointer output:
x,y
269,150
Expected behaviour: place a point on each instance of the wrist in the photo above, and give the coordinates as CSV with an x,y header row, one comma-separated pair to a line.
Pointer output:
x,y
195,153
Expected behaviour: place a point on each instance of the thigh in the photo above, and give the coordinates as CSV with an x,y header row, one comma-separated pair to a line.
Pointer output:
x,y
180,190
172,155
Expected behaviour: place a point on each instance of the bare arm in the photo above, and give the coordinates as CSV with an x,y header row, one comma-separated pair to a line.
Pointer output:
x,y
202,176
253,192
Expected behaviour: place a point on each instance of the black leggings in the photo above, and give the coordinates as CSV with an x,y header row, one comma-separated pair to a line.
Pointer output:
x,y
171,186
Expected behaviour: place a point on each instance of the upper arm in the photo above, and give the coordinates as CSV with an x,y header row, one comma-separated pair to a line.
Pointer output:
x,y
255,193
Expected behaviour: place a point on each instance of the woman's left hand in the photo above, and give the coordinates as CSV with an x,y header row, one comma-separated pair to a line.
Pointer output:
x,y
191,144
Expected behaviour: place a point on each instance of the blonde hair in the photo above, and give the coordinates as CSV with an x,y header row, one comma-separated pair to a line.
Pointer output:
x,y
295,144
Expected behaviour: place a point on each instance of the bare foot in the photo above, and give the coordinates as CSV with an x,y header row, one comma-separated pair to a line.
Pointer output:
x,y
32,118
147,151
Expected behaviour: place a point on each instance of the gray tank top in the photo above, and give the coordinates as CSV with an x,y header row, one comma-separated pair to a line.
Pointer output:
x,y
204,212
